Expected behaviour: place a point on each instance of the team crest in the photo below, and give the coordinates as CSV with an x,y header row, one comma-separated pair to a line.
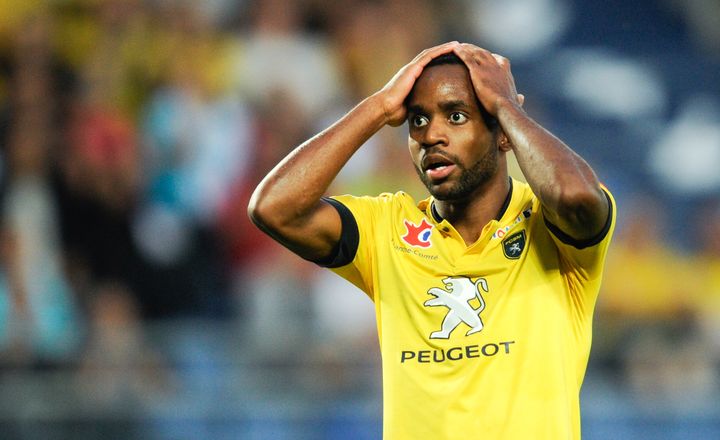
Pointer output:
x,y
418,235
513,245
460,291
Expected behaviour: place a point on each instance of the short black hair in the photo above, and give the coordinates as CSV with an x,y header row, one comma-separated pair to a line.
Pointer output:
x,y
446,58
451,58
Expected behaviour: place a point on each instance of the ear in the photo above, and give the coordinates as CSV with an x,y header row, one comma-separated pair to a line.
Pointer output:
x,y
504,143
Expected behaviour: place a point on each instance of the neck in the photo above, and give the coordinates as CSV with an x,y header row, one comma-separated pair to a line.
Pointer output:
x,y
470,215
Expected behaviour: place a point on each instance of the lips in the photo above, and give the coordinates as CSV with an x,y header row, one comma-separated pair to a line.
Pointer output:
x,y
437,167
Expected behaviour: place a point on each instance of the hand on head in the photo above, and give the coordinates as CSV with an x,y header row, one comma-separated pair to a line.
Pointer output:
x,y
490,74
393,94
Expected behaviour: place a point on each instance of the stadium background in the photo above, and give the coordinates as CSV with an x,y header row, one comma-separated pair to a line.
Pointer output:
x,y
136,300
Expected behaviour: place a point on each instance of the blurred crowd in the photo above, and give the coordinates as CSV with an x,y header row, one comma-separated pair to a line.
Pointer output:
x,y
133,131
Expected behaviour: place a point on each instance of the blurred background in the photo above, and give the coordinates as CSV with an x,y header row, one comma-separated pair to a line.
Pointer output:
x,y
138,302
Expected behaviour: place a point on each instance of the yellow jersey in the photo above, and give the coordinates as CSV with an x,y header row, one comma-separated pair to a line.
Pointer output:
x,y
487,341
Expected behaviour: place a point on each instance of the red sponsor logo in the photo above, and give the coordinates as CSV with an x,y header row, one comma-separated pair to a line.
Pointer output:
x,y
418,235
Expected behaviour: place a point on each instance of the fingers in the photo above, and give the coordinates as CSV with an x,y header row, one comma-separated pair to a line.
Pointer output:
x,y
490,74
502,61
470,53
427,55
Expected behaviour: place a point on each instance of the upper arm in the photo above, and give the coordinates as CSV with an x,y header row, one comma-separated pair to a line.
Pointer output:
x,y
586,228
581,216
313,235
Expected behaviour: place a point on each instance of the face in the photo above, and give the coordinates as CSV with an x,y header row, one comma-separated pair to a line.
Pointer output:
x,y
454,152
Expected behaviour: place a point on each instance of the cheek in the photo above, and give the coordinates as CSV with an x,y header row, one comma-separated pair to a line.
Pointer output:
x,y
414,140
478,141
414,148
469,144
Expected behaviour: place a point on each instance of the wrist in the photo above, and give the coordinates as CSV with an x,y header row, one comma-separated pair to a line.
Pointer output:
x,y
377,106
505,108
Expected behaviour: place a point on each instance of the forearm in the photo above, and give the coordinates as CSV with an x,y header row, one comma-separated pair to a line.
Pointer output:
x,y
563,181
294,187
287,205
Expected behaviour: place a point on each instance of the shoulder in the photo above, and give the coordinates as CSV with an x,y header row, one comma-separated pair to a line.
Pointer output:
x,y
384,201
364,220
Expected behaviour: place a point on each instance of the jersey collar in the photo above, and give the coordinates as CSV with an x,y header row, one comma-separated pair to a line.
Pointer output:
x,y
432,211
508,211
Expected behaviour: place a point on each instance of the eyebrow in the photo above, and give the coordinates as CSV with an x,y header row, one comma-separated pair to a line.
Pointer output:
x,y
450,105
444,106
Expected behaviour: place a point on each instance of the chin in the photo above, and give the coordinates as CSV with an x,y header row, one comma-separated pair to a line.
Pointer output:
x,y
445,194
459,191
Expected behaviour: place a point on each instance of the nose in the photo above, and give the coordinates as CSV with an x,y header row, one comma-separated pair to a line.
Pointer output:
x,y
435,133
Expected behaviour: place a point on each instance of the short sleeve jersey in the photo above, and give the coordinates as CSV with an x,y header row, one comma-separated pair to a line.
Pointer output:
x,y
487,341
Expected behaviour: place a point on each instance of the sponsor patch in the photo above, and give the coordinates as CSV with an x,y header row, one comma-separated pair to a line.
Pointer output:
x,y
418,235
501,232
514,245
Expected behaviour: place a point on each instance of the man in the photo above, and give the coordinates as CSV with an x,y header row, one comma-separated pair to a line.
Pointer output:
x,y
484,292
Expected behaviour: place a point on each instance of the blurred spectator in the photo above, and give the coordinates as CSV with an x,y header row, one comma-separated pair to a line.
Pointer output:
x,y
706,267
113,44
197,146
646,323
637,284
39,314
97,180
376,38
278,62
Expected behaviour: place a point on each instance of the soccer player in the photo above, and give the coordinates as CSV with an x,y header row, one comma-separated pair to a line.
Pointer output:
x,y
484,292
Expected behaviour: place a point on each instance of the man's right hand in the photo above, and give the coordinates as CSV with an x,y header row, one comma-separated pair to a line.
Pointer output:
x,y
287,203
392,95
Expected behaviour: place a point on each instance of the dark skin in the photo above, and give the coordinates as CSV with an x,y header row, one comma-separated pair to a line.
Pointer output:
x,y
287,203
457,157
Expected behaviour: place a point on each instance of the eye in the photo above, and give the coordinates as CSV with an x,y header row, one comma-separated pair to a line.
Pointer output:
x,y
457,118
418,121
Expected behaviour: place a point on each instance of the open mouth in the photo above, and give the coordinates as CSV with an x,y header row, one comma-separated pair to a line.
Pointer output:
x,y
437,167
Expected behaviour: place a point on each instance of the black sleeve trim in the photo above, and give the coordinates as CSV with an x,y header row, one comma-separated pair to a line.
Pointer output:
x,y
344,251
582,244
